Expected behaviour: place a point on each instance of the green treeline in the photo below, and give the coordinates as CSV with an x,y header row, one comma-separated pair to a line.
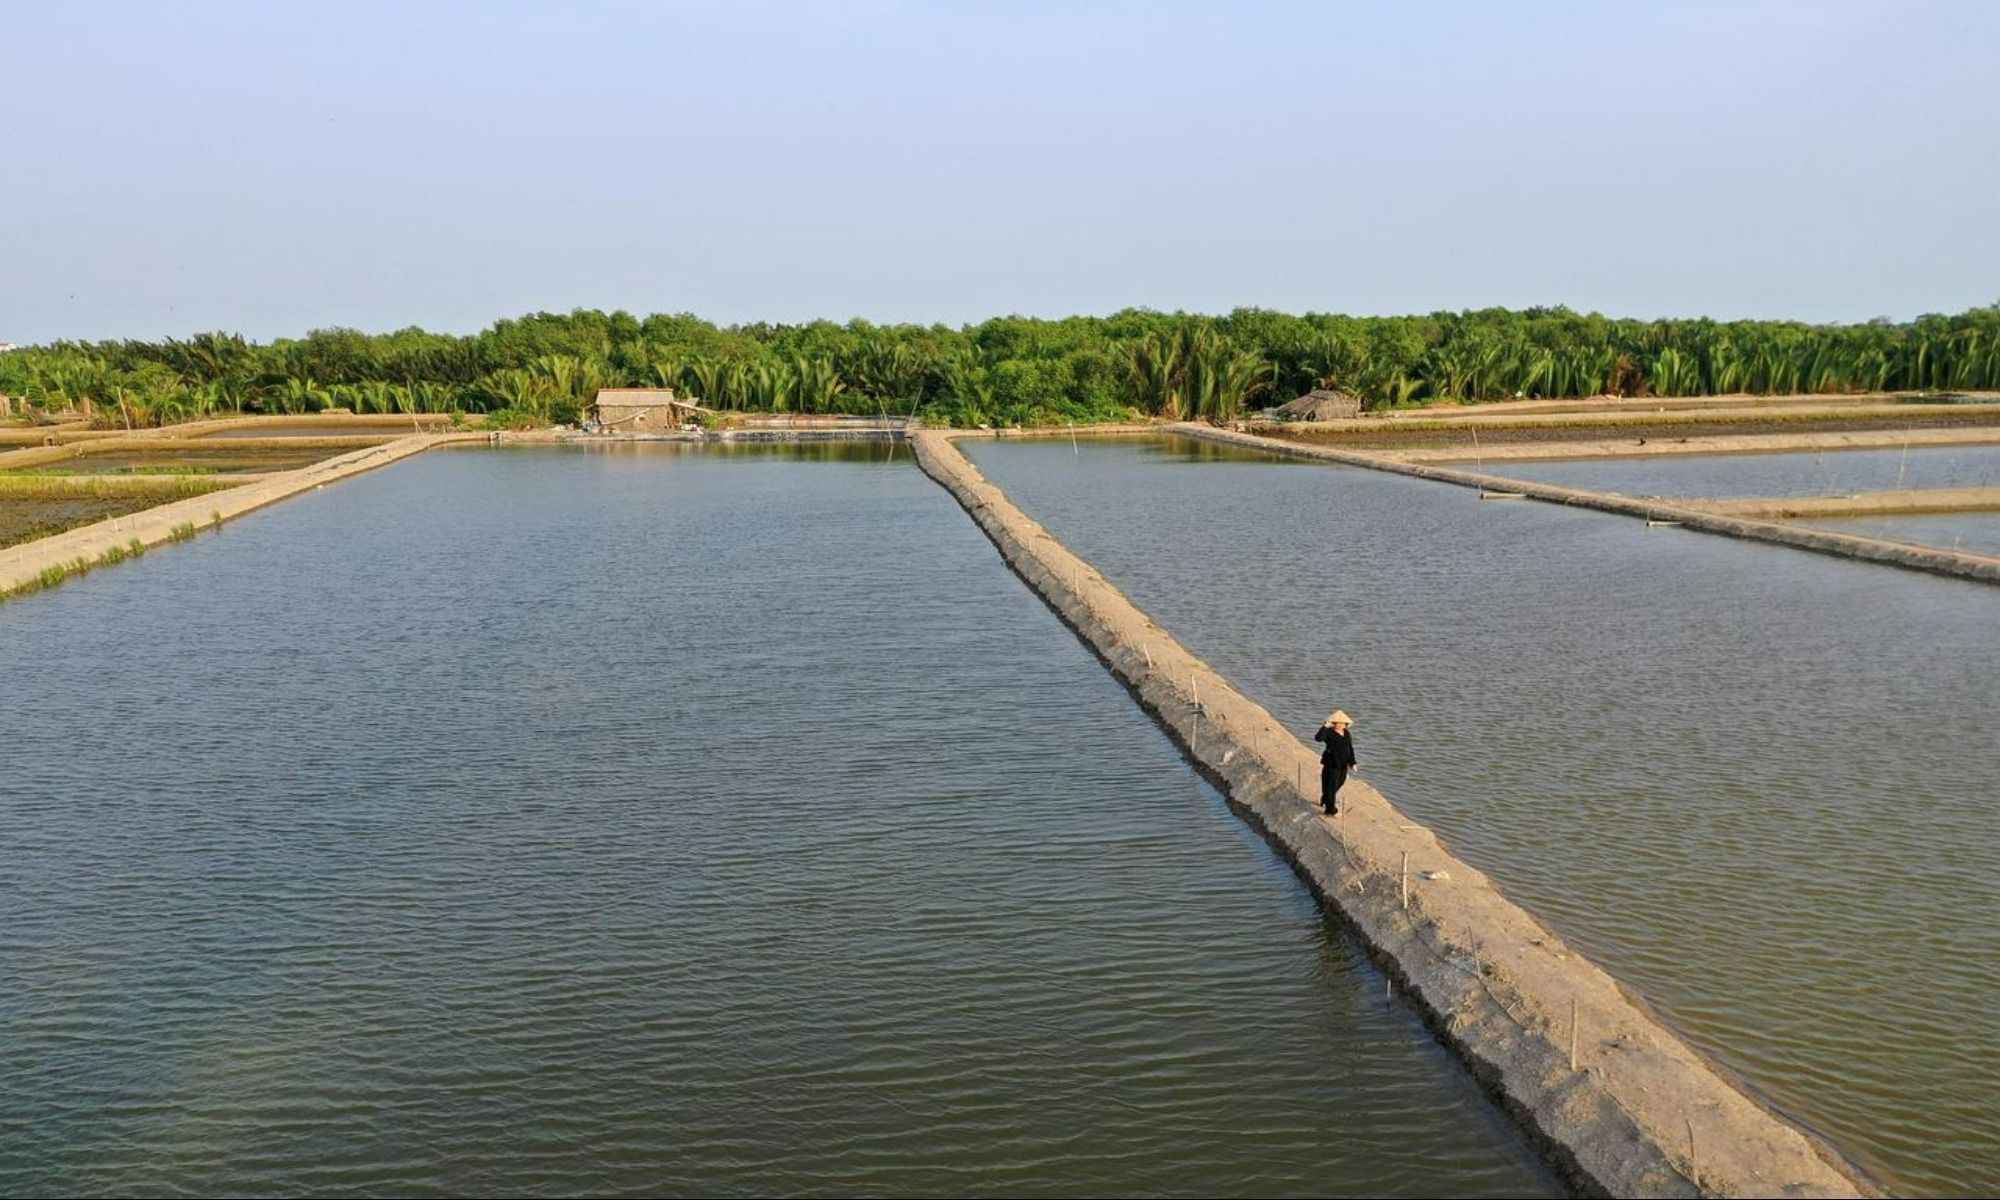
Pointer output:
x,y
546,367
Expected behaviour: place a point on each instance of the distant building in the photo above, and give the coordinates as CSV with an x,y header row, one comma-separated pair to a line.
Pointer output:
x,y
1320,405
643,410
6,346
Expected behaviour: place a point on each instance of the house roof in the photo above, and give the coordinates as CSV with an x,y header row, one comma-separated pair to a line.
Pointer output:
x,y
1318,399
631,395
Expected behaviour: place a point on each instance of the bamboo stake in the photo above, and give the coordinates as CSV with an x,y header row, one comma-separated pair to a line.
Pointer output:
x,y
1572,1033
1406,880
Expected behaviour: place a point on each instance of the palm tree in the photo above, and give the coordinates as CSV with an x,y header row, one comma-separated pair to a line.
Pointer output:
x,y
818,383
1154,372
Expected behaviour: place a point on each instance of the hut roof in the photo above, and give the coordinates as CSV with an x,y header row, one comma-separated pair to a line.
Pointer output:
x,y
1321,404
644,398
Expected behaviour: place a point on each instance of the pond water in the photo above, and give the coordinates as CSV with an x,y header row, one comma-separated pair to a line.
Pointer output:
x,y
1974,532
1759,785
1827,473
662,821
387,427
235,460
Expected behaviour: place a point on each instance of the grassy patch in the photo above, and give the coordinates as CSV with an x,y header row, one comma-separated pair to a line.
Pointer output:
x,y
34,507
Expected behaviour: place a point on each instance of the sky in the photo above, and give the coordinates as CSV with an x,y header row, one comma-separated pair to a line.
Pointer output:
x,y
167,168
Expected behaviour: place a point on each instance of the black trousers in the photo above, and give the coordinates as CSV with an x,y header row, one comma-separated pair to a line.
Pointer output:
x,y
1330,779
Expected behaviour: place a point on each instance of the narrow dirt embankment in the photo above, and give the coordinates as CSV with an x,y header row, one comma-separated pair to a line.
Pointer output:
x,y
1615,1100
1957,563
1677,443
1860,504
108,540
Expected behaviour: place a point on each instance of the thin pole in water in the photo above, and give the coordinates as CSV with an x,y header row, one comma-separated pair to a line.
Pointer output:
x,y
1900,468
1072,438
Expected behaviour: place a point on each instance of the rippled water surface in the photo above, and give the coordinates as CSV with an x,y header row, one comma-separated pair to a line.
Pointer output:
x,y
1829,473
657,822
1757,784
1977,532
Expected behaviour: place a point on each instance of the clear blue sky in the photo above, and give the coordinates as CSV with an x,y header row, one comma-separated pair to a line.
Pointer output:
x,y
272,168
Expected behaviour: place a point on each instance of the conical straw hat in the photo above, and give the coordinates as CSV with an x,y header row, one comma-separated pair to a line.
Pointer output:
x,y
1339,718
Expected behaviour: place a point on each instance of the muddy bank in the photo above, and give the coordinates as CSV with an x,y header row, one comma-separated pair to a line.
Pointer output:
x,y
1639,1115
307,425
168,450
1732,400
310,425
1861,504
1455,436
1962,565
1679,443
33,508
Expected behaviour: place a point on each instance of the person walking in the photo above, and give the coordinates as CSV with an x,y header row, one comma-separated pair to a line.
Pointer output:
x,y
1335,761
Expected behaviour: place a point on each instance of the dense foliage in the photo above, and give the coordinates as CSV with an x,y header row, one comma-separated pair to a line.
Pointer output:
x,y
1006,370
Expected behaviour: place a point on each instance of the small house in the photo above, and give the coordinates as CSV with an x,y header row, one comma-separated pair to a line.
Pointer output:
x,y
643,410
1321,404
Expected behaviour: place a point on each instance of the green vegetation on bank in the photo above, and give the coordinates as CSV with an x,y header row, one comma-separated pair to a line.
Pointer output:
x,y
545,367
51,576
39,506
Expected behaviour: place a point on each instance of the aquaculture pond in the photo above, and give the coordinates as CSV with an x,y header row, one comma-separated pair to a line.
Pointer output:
x,y
1756,784
237,459
661,821
1973,532
35,507
310,427
1817,473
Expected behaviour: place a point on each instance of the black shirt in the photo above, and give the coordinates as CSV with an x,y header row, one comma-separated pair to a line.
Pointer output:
x,y
1339,752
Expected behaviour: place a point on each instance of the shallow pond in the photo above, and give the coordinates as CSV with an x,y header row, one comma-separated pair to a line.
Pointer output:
x,y
653,821
1827,473
1975,532
1757,784
233,461
387,427
32,509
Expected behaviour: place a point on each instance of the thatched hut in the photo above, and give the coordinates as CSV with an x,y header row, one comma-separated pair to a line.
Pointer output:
x,y
1321,404
643,410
